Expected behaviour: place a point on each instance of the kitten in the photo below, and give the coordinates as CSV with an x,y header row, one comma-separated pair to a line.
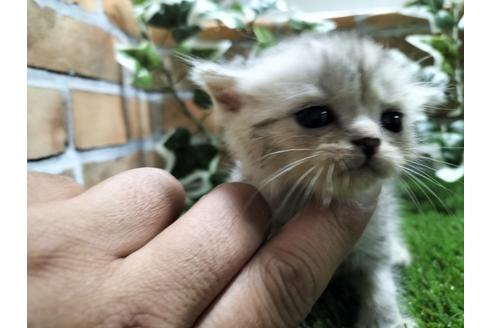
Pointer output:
x,y
324,116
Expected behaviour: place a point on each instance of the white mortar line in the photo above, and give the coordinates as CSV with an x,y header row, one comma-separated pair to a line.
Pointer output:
x,y
54,165
60,163
45,79
111,153
71,152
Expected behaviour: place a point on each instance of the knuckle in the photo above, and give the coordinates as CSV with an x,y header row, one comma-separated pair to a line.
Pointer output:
x,y
291,284
157,180
157,189
126,315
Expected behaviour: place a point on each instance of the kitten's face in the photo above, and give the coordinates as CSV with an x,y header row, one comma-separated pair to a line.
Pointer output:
x,y
332,114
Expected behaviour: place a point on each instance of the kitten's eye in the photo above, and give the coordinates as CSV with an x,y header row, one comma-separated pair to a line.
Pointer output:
x,y
392,120
315,116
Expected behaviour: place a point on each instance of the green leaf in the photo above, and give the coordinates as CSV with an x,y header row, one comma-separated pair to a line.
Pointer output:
x,y
204,154
452,147
199,53
449,50
218,178
444,20
264,37
171,15
447,67
299,25
184,32
202,99
179,139
204,49
229,18
236,6
140,2
145,55
192,158
264,6
458,126
142,78
432,5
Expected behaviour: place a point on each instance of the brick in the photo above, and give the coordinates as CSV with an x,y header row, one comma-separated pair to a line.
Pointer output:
x,y
171,116
219,32
98,120
393,20
63,44
46,123
153,159
344,22
97,172
138,119
162,37
120,12
88,5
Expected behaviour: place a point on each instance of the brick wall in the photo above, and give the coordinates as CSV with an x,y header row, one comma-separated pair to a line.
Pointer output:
x,y
84,119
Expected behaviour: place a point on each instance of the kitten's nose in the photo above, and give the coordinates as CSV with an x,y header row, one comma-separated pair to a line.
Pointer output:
x,y
369,146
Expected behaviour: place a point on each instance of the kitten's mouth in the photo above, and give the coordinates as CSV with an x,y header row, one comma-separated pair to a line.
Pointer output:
x,y
367,166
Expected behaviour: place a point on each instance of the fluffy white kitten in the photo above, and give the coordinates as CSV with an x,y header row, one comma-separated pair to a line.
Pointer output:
x,y
324,116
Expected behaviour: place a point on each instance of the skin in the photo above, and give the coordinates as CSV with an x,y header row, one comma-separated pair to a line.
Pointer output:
x,y
115,255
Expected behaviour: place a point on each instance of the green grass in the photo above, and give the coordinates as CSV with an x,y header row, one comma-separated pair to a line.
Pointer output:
x,y
433,284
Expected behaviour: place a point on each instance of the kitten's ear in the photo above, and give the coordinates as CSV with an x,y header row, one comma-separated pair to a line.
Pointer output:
x,y
220,83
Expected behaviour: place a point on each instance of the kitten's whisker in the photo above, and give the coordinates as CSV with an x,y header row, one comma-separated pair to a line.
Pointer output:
x,y
423,58
311,187
433,193
329,178
416,183
412,196
427,177
287,150
328,190
280,135
436,161
287,168
294,187
345,177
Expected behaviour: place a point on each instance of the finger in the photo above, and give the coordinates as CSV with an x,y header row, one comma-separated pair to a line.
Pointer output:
x,y
282,282
44,187
124,212
182,270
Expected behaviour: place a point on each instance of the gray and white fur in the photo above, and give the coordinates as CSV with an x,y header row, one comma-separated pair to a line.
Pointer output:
x,y
357,80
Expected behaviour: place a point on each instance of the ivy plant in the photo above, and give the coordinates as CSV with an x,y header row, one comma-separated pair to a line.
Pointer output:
x,y
194,158
444,127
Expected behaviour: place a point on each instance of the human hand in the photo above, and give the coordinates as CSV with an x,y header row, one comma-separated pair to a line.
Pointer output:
x,y
115,255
